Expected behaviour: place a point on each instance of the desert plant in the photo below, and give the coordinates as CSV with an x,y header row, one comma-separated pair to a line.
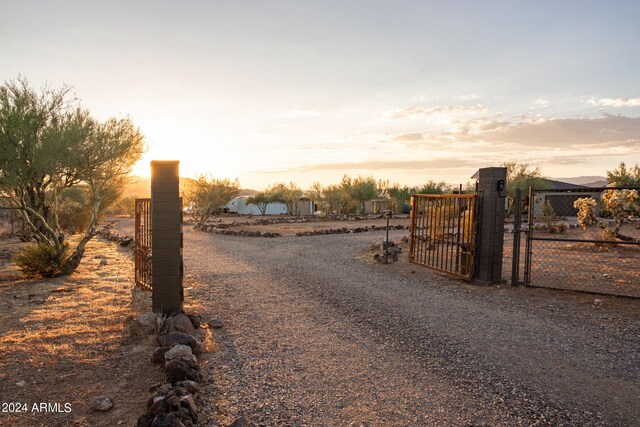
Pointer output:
x,y
43,260
207,195
49,144
550,219
621,204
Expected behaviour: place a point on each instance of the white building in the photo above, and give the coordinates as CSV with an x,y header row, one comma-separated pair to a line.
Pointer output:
x,y
239,205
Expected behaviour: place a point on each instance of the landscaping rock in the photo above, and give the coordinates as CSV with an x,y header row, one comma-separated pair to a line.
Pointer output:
x,y
181,369
126,241
174,338
216,323
158,354
178,323
143,325
101,403
177,351
187,402
191,386
239,422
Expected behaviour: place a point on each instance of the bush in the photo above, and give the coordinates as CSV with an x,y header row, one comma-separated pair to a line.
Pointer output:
x,y
74,217
41,260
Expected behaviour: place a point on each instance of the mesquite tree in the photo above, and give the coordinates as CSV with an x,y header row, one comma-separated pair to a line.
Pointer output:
x,y
49,144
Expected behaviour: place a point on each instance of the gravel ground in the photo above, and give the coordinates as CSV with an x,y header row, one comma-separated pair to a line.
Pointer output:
x,y
317,334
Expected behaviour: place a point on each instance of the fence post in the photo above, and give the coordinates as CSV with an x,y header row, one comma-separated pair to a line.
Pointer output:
x,y
166,238
517,225
492,188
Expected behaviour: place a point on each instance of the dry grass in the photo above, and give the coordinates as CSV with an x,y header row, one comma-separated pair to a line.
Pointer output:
x,y
71,347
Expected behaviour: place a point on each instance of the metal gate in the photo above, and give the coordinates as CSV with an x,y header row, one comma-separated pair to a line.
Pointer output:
x,y
596,253
442,232
142,249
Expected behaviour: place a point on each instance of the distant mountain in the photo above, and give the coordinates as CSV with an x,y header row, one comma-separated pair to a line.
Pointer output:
x,y
589,181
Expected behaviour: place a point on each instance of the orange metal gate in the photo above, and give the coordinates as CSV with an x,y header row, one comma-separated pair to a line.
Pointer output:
x,y
142,249
442,232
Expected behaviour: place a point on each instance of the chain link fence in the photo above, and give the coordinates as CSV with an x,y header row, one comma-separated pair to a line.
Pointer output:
x,y
585,239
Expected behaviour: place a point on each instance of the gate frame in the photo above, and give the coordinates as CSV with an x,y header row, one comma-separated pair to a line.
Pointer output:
x,y
143,252
531,230
441,260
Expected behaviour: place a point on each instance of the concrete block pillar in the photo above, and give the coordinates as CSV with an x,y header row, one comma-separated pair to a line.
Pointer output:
x,y
166,237
491,210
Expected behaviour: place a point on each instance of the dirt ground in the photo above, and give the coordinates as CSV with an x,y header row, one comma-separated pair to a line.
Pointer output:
x,y
62,343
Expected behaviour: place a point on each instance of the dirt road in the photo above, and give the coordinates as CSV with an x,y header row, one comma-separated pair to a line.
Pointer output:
x,y
316,334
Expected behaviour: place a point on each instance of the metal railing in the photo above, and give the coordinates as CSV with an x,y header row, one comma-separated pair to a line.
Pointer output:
x,y
442,232
142,251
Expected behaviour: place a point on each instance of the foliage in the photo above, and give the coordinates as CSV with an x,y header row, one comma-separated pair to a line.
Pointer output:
x,y
520,176
287,194
47,145
433,187
125,206
42,260
622,204
550,219
360,190
207,195
621,176
586,214
261,199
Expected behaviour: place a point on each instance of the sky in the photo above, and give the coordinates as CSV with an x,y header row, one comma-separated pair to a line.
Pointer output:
x,y
304,91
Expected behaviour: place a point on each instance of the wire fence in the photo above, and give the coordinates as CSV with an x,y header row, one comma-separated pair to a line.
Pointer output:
x,y
585,239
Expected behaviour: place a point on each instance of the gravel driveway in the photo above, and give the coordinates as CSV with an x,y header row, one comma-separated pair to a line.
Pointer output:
x,y
317,334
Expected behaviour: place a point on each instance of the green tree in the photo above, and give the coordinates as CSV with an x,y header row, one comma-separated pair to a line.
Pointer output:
x,y
261,200
621,176
433,187
49,144
401,198
360,190
287,194
207,195
521,176
334,199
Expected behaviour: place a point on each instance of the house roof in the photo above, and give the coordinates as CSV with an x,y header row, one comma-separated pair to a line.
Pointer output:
x,y
560,185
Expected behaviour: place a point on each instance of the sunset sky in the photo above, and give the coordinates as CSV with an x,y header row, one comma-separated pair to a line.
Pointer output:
x,y
307,91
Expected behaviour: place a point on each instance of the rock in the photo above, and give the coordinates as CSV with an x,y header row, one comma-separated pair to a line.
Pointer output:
x,y
103,262
177,351
239,422
216,323
174,338
181,369
187,402
101,403
143,325
191,386
597,302
359,424
190,359
157,406
38,300
126,241
196,320
158,354
21,383
178,323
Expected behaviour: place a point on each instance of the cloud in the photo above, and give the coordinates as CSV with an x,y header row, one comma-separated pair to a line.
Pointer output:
x,y
298,114
615,102
437,112
442,163
604,131
410,137
541,103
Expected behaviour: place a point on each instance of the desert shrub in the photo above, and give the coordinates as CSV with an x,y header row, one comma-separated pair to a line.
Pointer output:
x,y
550,219
123,206
41,260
